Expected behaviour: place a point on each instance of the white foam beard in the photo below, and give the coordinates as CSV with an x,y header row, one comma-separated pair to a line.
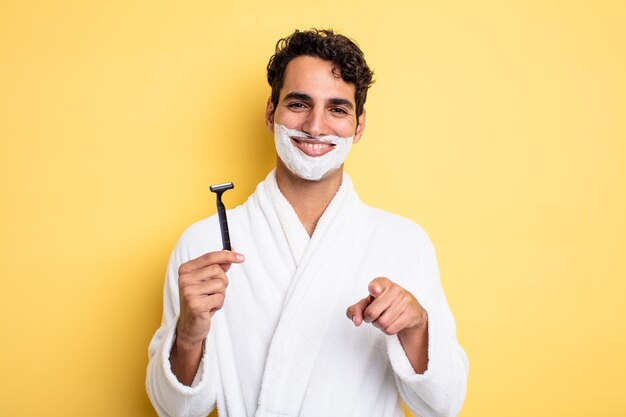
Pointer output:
x,y
312,168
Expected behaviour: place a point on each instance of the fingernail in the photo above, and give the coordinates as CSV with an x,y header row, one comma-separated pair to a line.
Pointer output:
x,y
239,257
354,319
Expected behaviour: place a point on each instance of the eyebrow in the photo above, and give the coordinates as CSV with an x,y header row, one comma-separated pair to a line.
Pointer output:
x,y
305,97
341,102
298,96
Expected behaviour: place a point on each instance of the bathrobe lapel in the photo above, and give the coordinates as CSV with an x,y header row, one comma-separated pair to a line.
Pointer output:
x,y
325,263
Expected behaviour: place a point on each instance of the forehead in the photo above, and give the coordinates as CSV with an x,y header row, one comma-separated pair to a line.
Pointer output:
x,y
314,77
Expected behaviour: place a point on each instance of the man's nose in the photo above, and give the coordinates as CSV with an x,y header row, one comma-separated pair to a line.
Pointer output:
x,y
314,124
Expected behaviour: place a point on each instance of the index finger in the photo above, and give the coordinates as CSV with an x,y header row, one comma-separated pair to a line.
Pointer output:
x,y
355,311
223,257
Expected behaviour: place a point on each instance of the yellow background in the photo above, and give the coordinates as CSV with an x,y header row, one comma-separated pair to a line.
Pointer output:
x,y
498,126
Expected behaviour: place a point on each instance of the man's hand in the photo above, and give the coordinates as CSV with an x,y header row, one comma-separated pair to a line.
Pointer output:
x,y
395,310
202,285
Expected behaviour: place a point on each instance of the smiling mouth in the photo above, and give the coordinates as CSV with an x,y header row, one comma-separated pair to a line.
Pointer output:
x,y
312,148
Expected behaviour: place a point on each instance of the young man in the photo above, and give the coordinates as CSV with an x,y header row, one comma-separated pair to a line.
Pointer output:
x,y
314,253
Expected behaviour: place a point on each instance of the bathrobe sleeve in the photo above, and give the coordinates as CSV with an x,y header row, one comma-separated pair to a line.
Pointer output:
x,y
440,390
169,397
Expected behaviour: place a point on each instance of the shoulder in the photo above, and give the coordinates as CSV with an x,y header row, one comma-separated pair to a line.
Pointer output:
x,y
201,237
198,230
400,229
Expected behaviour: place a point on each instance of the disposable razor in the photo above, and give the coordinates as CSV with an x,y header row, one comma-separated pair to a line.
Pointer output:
x,y
221,212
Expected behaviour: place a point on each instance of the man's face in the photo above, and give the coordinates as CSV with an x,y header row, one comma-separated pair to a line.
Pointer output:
x,y
317,103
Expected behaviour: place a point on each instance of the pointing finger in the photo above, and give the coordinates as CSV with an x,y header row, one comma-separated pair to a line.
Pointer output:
x,y
355,311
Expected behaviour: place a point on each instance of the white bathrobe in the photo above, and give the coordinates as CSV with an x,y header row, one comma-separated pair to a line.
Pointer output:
x,y
282,345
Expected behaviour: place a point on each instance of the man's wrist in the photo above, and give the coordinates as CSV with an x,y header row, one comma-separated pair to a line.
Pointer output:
x,y
414,341
185,357
185,345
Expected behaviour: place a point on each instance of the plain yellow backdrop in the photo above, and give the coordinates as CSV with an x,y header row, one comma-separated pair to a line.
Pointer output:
x,y
498,126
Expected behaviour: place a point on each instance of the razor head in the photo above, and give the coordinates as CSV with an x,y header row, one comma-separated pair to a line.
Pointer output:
x,y
220,188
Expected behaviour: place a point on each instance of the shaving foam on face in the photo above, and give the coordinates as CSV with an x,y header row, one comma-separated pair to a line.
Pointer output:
x,y
312,168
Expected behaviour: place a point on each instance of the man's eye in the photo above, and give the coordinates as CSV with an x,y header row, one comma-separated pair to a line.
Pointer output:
x,y
296,105
338,110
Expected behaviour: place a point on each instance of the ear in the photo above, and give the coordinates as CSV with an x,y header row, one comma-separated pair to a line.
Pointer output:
x,y
359,128
269,115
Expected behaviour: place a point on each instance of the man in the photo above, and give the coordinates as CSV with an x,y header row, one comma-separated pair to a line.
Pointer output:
x,y
314,253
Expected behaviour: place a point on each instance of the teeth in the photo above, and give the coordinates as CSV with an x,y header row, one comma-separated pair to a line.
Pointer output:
x,y
315,145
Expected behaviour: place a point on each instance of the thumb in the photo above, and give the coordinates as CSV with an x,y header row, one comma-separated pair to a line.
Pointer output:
x,y
375,289
238,258
377,286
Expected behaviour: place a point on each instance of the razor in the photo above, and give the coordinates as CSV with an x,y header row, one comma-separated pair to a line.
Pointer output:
x,y
221,211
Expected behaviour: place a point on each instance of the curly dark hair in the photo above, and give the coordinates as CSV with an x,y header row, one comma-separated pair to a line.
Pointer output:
x,y
347,59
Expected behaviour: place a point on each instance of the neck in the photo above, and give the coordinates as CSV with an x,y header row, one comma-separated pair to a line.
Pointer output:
x,y
308,198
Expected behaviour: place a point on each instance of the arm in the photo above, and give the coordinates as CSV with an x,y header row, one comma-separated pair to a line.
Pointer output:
x,y
181,379
429,365
202,286
440,390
